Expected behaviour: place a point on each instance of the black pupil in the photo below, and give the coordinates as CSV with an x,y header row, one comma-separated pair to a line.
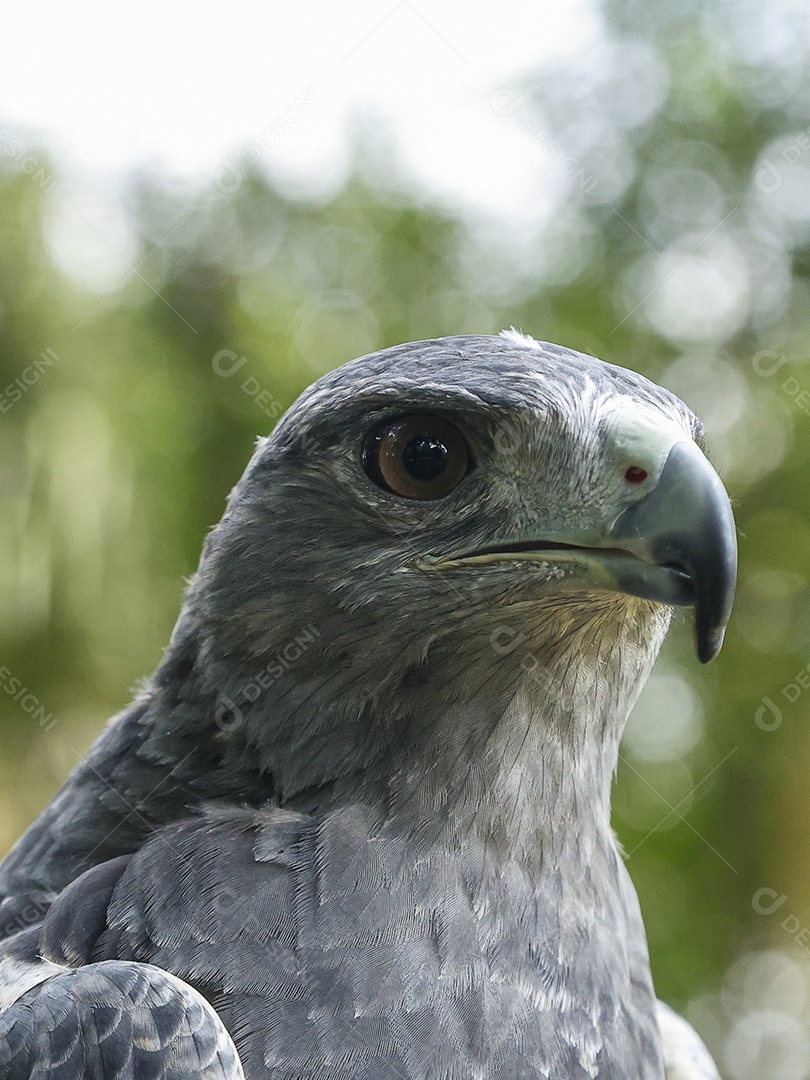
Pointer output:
x,y
425,457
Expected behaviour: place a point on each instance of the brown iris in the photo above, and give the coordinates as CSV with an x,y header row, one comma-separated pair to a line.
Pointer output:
x,y
420,456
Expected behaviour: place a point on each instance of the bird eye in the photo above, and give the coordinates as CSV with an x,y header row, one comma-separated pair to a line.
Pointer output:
x,y
420,456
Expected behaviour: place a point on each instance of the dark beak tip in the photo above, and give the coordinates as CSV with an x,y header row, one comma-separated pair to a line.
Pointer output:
x,y
708,645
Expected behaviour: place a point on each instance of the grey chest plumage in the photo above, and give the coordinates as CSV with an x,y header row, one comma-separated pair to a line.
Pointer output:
x,y
330,950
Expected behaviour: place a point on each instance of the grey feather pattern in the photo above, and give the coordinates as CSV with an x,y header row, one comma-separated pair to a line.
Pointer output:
x,y
115,1021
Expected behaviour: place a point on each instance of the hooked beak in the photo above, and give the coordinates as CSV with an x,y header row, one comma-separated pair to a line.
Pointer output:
x,y
675,545
686,523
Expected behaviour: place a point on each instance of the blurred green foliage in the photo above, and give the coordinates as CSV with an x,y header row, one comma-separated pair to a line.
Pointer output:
x,y
677,244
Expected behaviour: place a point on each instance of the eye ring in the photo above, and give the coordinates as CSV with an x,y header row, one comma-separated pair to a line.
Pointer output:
x,y
417,456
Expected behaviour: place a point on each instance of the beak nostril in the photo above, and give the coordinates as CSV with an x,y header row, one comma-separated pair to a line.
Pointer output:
x,y
635,474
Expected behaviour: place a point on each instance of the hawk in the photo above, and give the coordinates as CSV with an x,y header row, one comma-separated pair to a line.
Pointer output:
x,y
357,824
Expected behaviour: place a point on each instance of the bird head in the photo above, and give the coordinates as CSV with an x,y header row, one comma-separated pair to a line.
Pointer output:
x,y
437,527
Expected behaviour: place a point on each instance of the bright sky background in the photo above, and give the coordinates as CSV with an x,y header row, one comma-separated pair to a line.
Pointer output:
x,y
184,86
